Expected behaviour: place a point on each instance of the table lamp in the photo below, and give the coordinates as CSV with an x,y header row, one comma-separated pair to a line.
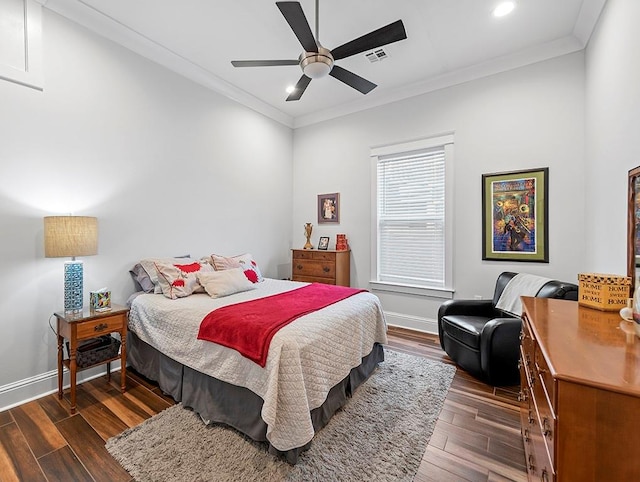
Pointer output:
x,y
71,236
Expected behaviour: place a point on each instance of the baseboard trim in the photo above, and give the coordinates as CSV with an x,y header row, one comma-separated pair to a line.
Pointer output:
x,y
414,323
38,386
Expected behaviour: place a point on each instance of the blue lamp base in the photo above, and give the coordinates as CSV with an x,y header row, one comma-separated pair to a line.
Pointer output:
x,y
73,286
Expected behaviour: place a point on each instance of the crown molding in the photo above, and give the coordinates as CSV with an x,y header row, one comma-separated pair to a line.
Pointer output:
x,y
587,20
108,27
523,58
84,14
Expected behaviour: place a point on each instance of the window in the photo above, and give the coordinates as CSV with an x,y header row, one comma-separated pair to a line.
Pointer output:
x,y
411,202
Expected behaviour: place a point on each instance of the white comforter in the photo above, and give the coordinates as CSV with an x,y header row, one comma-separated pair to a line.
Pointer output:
x,y
306,358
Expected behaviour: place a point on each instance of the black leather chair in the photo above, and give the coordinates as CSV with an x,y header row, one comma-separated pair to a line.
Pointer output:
x,y
484,340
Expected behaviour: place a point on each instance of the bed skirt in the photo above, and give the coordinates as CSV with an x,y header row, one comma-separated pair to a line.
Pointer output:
x,y
240,408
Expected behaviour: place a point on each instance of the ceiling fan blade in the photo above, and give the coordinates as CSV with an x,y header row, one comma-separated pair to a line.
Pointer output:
x,y
383,36
352,80
293,14
263,63
299,88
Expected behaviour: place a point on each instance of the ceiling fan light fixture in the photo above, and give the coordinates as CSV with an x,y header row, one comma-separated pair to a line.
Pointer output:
x,y
316,64
504,8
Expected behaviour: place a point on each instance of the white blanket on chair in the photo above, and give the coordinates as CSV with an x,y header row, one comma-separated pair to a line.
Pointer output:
x,y
521,284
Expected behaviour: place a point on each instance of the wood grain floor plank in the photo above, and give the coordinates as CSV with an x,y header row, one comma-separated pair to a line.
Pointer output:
x,y
55,409
37,428
464,435
16,459
5,418
63,466
464,469
89,448
104,421
484,459
126,410
434,473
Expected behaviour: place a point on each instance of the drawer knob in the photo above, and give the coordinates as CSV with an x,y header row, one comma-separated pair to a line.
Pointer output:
x,y
532,467
523,395
326,269
545,476
526,435
299,266
521,335
546,427
100,327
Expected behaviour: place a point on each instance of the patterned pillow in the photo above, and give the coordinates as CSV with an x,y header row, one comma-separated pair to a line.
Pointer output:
x,y
146,275
244,261
180,280
224,283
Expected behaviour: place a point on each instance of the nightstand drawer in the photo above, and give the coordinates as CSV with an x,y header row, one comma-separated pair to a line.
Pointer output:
x,y
100,326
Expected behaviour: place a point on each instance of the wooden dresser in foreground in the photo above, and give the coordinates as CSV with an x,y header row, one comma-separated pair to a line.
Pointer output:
x,y
316,266
580,393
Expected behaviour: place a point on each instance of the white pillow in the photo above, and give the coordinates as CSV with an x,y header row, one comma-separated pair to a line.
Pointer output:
x,y
224,283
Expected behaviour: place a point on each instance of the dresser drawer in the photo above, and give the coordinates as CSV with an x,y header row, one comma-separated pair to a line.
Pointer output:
x,y
545,417
306,254
304,267
541,368
323,256
311,279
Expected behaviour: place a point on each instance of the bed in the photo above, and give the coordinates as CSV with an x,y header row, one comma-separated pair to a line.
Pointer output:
x,y
313,364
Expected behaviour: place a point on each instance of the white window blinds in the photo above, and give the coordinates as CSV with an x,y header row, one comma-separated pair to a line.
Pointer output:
x,y
411,217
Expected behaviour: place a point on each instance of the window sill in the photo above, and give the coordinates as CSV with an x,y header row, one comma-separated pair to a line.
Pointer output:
x,y
442,293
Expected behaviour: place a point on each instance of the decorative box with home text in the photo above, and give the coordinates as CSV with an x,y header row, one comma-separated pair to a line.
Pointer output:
x,y
605,292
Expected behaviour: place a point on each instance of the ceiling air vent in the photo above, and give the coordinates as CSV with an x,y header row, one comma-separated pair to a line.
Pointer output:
x,y
376,55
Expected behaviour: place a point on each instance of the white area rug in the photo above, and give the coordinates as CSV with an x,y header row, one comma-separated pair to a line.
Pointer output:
x,y
380,434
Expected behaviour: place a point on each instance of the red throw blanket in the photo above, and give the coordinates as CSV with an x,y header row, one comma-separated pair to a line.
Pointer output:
x,y
248,327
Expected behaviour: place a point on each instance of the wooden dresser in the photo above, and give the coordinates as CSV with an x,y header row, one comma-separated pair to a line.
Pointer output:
x,y
580,393
315,266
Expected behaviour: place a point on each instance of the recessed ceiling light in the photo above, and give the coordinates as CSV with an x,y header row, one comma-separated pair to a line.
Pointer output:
x,y
503,9
290,89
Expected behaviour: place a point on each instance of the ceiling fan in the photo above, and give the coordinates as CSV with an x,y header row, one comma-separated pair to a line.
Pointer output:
x,y
317,61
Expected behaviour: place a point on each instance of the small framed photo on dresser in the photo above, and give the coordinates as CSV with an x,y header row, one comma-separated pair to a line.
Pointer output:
x,y
323,244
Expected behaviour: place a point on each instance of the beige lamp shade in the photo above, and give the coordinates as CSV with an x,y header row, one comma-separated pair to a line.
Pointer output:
x,y
70,236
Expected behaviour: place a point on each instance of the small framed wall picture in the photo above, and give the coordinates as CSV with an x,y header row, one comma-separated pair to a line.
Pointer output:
x,y
323,243
329,208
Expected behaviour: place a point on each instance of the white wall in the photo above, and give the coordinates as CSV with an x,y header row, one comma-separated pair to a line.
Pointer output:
x,y
526,118
167,166
613,127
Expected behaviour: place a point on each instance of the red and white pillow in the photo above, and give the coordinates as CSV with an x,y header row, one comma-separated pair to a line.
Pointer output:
x,y
180,280
243,261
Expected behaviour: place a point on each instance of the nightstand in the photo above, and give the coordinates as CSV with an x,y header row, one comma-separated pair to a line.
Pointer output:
x,y
86,325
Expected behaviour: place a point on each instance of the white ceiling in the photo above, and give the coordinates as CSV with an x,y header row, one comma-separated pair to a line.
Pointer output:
x,y
448,42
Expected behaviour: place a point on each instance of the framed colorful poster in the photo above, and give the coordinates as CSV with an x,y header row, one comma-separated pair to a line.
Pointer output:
x,y
515,212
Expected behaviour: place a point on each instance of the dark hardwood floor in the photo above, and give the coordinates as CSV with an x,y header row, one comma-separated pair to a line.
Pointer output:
x,y
476,438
